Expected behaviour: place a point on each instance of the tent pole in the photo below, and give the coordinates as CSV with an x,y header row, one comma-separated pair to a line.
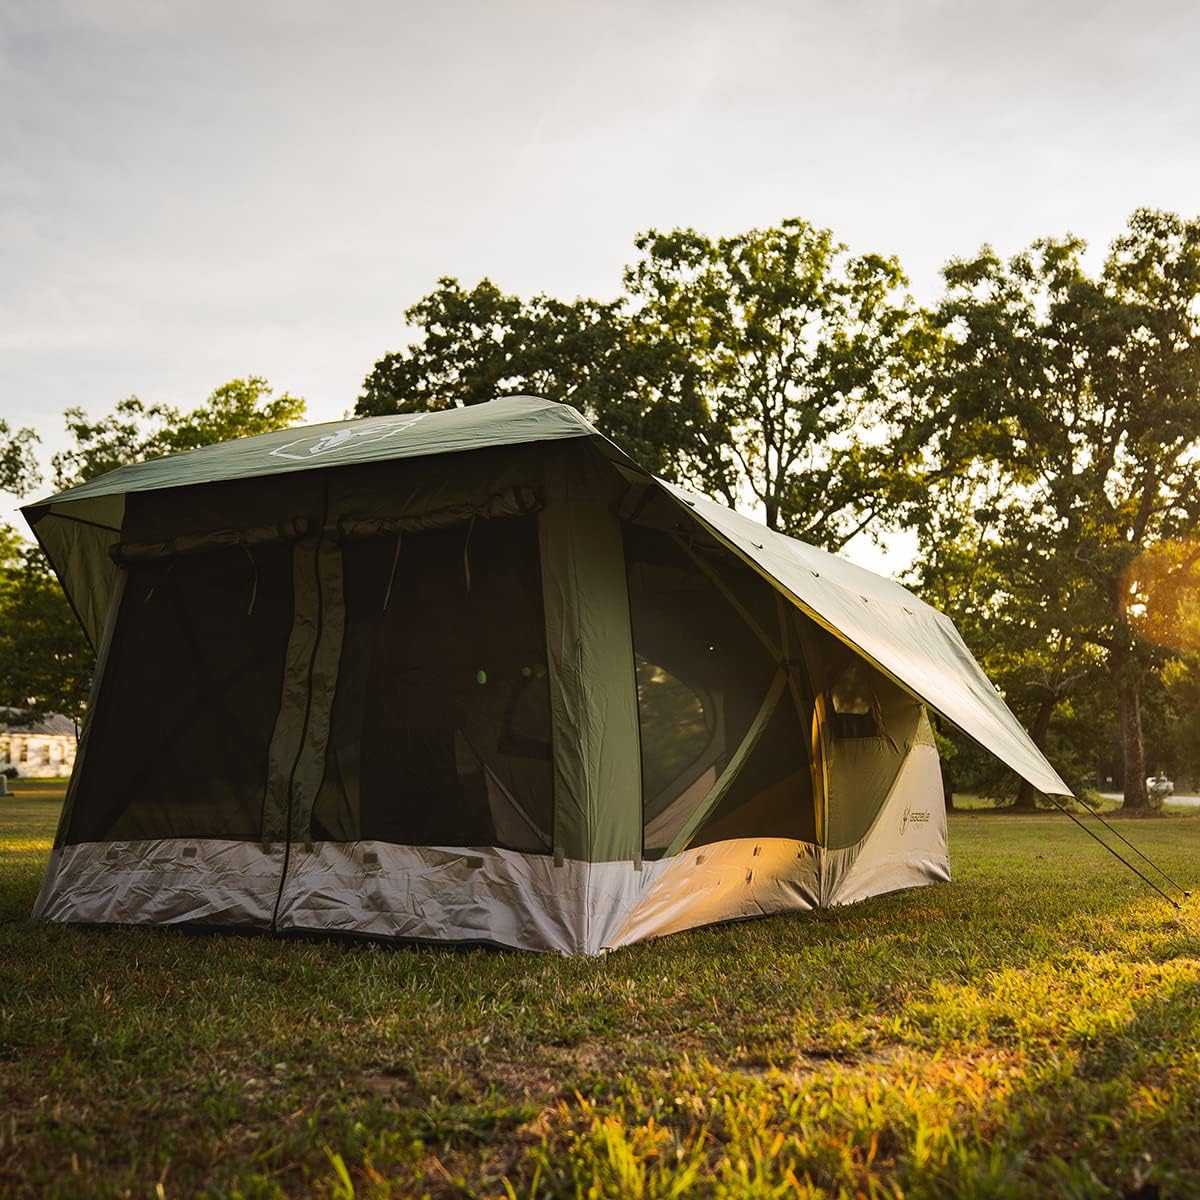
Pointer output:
x,y
733,768
818,758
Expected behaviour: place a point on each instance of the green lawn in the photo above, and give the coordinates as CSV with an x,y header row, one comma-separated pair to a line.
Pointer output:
x,y
1032,1029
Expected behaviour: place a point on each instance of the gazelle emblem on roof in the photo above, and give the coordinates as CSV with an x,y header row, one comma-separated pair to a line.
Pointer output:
x,y
315,445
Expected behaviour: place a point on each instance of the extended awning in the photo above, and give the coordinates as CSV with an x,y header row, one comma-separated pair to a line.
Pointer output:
x,y
904,637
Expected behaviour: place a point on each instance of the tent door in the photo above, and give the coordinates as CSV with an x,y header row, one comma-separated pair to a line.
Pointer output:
x,y
167,820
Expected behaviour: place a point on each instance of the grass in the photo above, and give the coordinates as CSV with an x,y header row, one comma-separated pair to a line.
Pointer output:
x,y
1031,1029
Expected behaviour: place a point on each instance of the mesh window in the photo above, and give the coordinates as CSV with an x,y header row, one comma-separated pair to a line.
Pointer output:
x,y
852,703
772,794
874,723
701,675
177,744
674,725
441,722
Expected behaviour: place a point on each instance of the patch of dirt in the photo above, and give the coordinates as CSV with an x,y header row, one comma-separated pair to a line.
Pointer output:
x,y
555,1070
814,1060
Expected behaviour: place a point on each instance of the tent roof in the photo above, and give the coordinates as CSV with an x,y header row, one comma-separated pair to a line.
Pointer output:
x,y
915,644
507,421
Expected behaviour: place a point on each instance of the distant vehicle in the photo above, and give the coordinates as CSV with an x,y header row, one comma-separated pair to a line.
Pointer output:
x,y
1159,787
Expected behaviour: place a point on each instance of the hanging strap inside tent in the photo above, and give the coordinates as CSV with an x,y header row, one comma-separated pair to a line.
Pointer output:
x,y
1120,858
253,578
154,585
387,595
467,551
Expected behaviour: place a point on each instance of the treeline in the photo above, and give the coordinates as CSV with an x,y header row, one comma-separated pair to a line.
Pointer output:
x,y
1037,430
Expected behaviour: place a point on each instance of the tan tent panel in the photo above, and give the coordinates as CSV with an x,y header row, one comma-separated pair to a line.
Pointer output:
x,y
473,675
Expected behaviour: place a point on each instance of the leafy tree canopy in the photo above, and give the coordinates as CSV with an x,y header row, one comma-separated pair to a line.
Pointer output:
x,y
767,368
1063,432
474,345
18,467
45,661
801,356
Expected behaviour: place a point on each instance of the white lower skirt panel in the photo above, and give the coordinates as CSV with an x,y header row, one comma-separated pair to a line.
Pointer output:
x,y
459,894
498,896
166,882
725,881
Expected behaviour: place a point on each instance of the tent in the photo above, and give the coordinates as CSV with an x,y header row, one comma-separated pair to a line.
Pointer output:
x,y
474,675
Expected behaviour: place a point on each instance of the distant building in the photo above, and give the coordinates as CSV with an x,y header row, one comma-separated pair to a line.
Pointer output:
x,y
38,749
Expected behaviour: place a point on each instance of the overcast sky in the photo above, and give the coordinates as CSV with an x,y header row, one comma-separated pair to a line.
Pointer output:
x,y
195,191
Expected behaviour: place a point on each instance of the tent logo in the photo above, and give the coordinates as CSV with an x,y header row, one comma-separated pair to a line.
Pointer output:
x,y
318,444
913,818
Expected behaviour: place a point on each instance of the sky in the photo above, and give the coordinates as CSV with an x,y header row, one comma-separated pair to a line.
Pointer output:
x,y
191,192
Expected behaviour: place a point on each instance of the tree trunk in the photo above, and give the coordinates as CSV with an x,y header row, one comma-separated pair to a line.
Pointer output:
x,y
1026,797
948,787
1123,666
1132,747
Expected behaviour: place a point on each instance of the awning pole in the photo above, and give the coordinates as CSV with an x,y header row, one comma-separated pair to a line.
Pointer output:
x,y
1113,830
1091,833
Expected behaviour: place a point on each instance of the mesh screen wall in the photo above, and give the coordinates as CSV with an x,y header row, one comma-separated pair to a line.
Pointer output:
x,y
177,746
702,674
441,721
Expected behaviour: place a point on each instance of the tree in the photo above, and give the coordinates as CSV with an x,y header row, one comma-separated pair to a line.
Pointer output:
x,y
770,367
1163,585
479,344
1181,741
18,468
1010,601
1070,406
135,431
474,345
802,355
46,663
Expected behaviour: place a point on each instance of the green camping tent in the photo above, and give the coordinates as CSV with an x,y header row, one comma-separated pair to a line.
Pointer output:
x,y
475,675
